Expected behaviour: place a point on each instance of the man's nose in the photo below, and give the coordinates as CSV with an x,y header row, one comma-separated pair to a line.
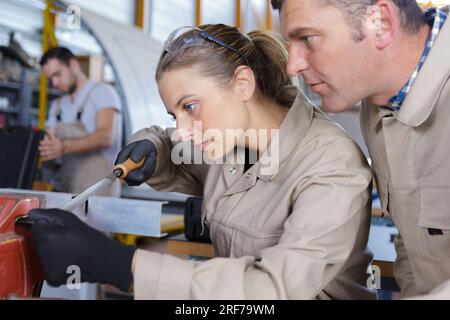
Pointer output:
x,y
297,62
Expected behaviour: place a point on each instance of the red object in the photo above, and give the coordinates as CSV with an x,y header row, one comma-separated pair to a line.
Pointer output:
x,y
20,272
3,121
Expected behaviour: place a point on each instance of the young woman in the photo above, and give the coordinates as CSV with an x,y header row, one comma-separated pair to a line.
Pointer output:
x,y
291,224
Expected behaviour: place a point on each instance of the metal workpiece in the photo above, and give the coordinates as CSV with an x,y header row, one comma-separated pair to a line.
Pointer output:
x,y
50,199
138,217
109,214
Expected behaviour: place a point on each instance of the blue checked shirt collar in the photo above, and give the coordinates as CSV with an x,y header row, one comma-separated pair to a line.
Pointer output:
x,y
436,18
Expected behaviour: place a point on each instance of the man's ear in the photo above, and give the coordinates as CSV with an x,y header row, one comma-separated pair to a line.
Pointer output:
x,y
244,82
74,65
384,23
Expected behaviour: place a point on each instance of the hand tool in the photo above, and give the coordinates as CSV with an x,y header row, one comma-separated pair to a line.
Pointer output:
x,y
120,171
106,213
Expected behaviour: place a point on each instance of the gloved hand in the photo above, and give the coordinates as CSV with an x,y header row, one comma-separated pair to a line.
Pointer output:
x,y
62,240
137,151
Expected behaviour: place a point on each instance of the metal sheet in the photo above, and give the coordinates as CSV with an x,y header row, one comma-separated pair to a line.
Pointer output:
x,y
117,215
125,216
145,192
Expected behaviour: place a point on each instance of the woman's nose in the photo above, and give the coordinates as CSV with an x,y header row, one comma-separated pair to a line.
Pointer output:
x,y
184,133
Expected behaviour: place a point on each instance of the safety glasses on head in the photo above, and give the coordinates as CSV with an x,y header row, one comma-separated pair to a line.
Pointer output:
x,y
179,39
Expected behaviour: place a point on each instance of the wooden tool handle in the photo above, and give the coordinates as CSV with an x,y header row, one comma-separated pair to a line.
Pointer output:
x,y
126,167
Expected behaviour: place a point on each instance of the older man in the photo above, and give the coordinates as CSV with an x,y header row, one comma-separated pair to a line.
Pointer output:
x,y
394,57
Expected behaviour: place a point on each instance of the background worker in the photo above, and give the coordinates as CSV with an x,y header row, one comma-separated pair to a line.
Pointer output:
x,y
294,230
84,125
394,57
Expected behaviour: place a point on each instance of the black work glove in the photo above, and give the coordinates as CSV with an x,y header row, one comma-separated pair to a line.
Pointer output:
x,y
62,240
137,151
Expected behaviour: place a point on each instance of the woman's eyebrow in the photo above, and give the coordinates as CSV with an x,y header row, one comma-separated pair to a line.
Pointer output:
x,y
184,97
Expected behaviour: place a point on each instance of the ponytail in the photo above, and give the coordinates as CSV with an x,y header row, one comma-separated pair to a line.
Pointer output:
x,y
270,64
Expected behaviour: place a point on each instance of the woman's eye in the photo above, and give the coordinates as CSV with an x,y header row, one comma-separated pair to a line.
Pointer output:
x,y
191,107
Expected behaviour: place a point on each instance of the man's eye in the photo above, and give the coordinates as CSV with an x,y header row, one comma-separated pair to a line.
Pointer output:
x,y
191,107
308,39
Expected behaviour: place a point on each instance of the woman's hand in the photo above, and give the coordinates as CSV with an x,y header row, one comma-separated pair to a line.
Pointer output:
x,y
136,151
62,240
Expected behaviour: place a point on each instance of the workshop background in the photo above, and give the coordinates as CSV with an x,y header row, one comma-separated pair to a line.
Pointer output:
x,y
119,42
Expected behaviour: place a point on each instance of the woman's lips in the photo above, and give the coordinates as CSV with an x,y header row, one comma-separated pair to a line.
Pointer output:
x,y
203,145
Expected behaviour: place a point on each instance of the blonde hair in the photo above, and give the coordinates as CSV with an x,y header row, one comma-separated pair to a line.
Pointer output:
x,y
265,53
